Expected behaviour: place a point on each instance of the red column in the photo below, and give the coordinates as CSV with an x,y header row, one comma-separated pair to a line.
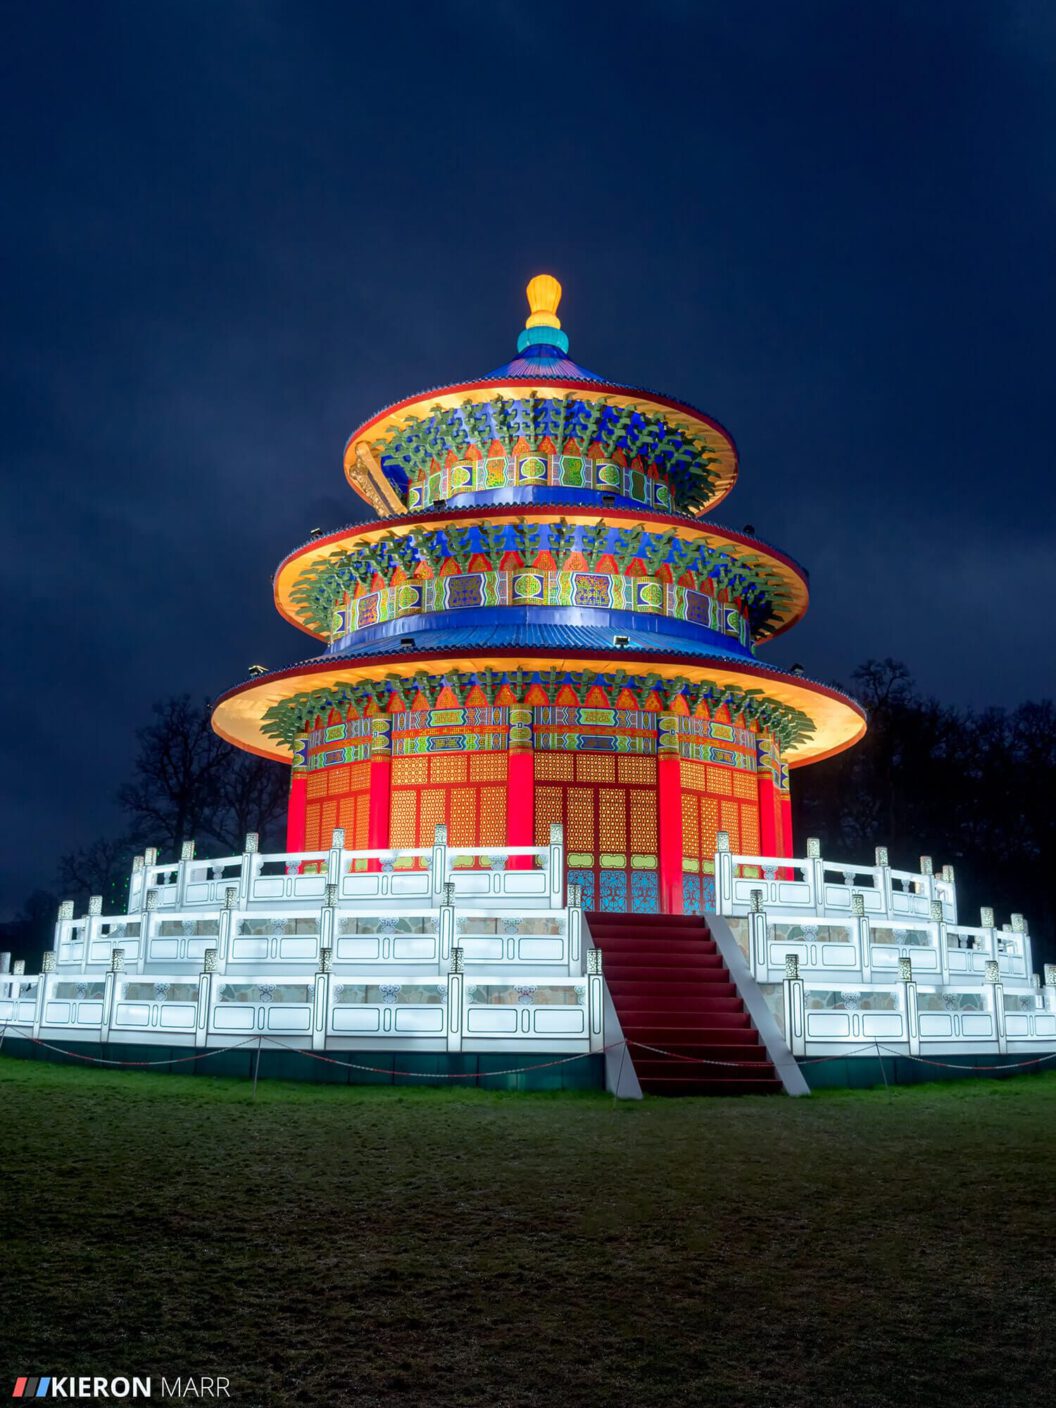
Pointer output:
x,y
520,786
380,807
769,815
786,824
669,808
769,818
297,814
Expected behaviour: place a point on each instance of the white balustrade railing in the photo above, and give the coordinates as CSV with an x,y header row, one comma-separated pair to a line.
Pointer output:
x,y
312,1009
507,875
446,945
18,996
865,948
905,1017
825,887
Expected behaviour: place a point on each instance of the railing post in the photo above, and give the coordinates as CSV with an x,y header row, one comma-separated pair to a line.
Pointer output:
x,y
321,999
927,870
986,917
557,865
18,970
186,857
908,997
987,922
883,864
150,858
335,860
943,941
949,878
62,928
455,989
758,957
816,874
992,979
596,999
47,970
795,1014
92,925
206,988
863,935
1019,926
574,929
225,926
446,933
250,851
1049,990
438,864
328,917
723,874
147,923
135,886
113,976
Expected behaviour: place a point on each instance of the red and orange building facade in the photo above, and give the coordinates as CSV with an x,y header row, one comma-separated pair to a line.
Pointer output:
x,y
543,625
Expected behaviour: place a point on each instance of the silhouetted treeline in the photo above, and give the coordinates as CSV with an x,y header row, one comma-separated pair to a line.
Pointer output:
x,y
969,788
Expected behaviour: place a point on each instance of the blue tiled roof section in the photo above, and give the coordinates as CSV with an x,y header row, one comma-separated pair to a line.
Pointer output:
x,y
545,361
477,639
663,631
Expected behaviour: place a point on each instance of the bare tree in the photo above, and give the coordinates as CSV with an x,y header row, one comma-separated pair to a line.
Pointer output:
x,y
189,784
254,794
101,868
175,794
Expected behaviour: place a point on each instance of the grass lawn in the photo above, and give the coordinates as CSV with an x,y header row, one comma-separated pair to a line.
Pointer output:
x,y
344,1246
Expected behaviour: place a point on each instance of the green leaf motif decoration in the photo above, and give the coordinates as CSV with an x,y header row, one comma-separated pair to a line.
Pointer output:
x,y
323,585
422,443
286,721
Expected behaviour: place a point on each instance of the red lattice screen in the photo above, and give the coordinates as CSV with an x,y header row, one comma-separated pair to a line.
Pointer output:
x,y
337,797
465,790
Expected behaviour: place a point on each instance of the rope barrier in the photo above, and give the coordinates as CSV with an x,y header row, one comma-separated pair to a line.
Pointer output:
x,y
441,1075
953,1066
103,1061
513,1070
300,1051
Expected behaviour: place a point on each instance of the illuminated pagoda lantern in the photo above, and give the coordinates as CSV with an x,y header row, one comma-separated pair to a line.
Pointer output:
x,y
542,624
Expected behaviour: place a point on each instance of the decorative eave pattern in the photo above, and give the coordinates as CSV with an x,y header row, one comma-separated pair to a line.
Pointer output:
x,y
327,567
682,423
836,722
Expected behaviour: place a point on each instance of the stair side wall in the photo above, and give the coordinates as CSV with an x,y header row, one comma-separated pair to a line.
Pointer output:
x,y
764,1021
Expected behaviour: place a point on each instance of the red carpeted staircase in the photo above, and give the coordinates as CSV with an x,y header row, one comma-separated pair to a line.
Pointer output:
x,y
672,990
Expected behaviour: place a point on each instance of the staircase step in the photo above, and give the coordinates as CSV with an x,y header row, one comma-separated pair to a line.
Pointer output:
x,y
663,987
658,1068
676,1003
677,962
620,918
627,934
712,1085
674,1035
672,972
673,992
755,1054
633,943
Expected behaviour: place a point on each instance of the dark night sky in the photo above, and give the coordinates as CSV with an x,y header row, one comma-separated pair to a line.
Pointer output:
x,y
232,231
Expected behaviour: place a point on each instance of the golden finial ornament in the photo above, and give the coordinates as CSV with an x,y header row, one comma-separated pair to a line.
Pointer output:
x,y
543,325
544,294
